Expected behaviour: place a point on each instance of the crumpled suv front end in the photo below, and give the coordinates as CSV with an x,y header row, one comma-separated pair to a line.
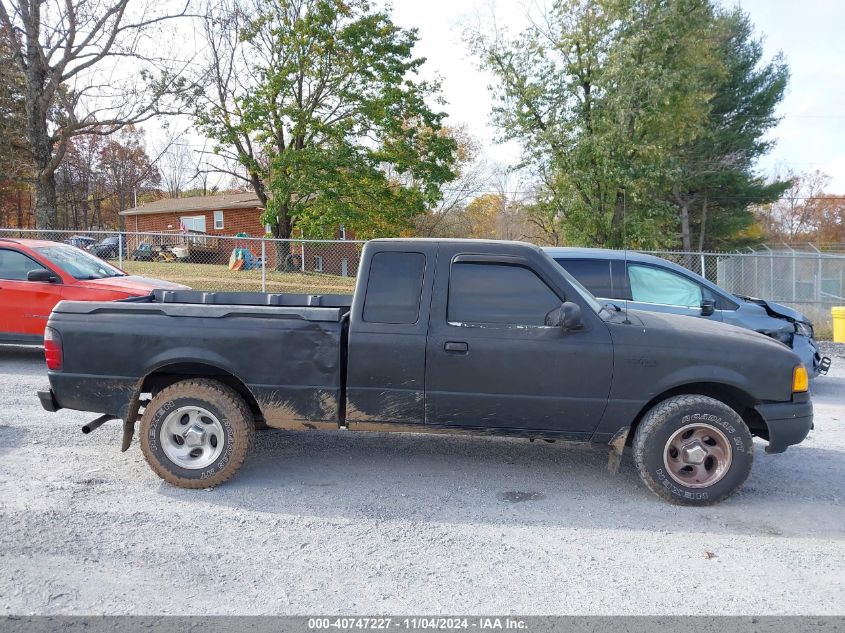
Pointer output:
x,y
784,324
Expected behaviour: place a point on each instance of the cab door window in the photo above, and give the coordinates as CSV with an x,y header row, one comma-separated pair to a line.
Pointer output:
x,y
498,293
656,285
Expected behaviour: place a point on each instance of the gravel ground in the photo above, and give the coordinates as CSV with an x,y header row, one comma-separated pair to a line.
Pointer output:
x,y
400,524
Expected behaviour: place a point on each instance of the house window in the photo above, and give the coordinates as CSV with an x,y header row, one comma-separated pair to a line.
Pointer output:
x,y
218,220
342,232
318,263
193,223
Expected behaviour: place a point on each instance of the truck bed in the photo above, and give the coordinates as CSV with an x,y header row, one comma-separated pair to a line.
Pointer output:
x,y
295,377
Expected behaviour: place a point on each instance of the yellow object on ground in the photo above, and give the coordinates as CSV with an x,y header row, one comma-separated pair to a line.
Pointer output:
x,y
838,314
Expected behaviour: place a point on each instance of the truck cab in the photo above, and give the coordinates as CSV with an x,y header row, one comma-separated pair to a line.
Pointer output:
x,y
429,338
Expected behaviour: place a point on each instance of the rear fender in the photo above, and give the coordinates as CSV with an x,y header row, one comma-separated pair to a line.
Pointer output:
x,y
173,358
186,356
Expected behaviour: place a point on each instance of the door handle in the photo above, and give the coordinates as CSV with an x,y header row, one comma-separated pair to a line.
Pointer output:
x,y
457,347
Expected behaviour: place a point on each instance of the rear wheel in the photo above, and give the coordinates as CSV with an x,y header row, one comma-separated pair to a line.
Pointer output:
x,y
196,433
693,450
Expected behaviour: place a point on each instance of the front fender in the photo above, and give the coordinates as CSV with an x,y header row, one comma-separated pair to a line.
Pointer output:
x,y
697,374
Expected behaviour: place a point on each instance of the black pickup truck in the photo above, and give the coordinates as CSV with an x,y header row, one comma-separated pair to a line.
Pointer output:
x,y
440,336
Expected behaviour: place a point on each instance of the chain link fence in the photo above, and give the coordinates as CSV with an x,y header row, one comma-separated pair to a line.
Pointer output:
x,y
810,281
210,262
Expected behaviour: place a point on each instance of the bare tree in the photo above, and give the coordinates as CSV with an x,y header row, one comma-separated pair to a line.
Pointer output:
x,y
73,55
79,184
474,175
176,164
511,190
208,181
229,74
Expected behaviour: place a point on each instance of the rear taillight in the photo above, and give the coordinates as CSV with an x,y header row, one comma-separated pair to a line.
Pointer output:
x,y
53,349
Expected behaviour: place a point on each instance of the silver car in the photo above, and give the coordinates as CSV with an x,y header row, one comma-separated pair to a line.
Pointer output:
x,y
646,282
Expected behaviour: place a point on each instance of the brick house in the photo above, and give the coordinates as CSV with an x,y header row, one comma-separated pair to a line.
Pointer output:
x,y
227,215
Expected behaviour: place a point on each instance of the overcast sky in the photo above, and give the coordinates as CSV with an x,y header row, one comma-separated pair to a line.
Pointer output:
x,y
811,135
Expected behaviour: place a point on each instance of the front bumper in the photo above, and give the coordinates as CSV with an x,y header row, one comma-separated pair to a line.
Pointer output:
x,y
808,352
48,401
788,422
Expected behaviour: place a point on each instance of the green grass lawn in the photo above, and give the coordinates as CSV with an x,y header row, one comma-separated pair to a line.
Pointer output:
x,y
219,277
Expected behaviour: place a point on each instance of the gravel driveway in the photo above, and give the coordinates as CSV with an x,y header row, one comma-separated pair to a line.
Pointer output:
x,y
372,523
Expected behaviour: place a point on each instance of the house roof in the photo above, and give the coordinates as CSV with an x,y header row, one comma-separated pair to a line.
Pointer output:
x,y
198,203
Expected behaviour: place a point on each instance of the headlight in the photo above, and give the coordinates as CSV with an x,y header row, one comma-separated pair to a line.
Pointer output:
x,y
783,336
805,329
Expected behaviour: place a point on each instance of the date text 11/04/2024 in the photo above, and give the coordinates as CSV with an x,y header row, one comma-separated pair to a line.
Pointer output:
x,y
418,623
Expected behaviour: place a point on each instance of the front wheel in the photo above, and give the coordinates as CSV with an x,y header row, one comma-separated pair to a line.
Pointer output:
x,y
693,450
196,433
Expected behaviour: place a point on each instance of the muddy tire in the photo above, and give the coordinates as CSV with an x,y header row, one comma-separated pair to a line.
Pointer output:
x,y
196,433
693,450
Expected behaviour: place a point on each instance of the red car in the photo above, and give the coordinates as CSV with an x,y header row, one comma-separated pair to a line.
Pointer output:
x,y
35,275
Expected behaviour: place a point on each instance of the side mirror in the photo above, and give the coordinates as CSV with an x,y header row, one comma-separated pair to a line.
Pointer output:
x,y
42,274
567,317
708,307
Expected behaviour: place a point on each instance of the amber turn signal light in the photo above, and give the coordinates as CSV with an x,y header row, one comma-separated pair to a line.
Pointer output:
x,y
800,379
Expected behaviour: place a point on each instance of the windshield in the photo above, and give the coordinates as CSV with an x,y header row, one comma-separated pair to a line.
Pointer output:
x,y
586,295
78,263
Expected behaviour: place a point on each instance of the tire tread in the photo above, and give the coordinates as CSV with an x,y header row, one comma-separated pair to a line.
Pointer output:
x,y
649,425
202,387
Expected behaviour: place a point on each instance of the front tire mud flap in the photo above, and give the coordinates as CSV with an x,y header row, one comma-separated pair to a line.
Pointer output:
x,y
617,447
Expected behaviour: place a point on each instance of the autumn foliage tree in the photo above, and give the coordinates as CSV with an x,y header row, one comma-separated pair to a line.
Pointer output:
x,y
15,161
126,169
100,176
806,212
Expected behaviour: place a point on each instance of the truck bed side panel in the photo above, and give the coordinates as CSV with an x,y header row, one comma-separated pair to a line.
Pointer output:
x,y
290,364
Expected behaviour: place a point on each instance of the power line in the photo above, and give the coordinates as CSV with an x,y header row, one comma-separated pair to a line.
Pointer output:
x,y
716,198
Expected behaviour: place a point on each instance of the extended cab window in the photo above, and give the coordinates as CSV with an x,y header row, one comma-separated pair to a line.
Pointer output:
x,y
394,286
14,266
594,275
498,293
655,285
